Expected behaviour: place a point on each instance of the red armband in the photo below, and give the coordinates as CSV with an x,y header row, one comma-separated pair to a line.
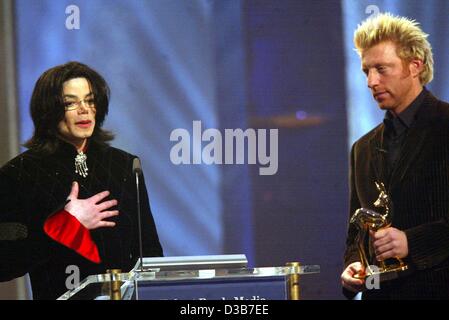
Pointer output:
x,y
67,230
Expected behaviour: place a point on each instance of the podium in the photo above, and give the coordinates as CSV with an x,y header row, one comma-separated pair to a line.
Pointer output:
x,y
219,277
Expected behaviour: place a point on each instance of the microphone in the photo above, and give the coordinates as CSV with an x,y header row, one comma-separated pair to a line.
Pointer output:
x,y
12,231
137,168
137,171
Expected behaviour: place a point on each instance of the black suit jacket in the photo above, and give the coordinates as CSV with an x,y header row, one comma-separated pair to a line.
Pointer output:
x,y
419,188
35,185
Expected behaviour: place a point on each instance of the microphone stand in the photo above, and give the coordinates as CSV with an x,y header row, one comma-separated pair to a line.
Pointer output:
x,y
137,170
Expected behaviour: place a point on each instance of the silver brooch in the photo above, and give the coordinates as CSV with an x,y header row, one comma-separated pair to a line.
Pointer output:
x,y
81,164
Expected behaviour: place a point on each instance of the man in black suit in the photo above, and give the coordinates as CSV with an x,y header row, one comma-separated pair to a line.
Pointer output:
x,y
69,201
409,154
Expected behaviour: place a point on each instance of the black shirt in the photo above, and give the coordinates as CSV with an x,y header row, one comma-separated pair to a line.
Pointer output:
x,y
396,129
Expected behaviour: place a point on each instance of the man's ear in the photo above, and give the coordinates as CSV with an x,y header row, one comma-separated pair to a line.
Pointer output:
x,y
416,66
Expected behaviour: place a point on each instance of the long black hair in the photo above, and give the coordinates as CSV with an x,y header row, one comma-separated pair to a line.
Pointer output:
x,y
47,105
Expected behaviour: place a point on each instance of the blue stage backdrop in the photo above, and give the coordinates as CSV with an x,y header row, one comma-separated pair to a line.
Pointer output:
x,y
296,71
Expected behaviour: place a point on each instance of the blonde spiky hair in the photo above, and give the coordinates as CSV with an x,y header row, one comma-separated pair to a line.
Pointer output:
x,y
410,40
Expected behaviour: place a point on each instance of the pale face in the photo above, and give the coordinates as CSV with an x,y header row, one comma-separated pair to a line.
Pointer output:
x,y
78,124
394,84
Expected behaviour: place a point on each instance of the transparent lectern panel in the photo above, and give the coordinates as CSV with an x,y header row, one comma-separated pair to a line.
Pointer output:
x,y
201,277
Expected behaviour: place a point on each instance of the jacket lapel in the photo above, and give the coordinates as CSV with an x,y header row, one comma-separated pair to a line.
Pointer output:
x,y
377,153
